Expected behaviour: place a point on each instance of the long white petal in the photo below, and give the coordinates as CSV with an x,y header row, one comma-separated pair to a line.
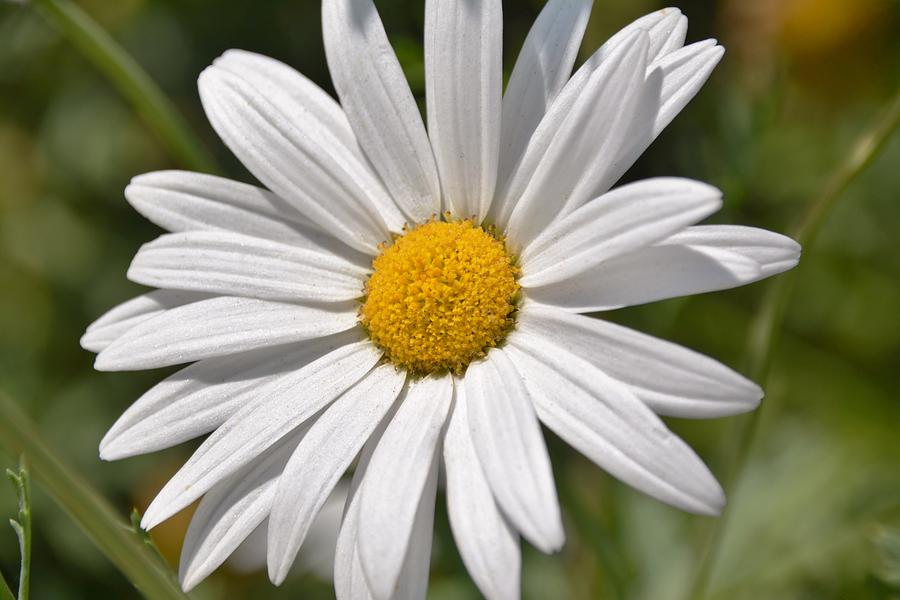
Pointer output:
x,y
275,76
298,157
626,219
349,579
665,31
318,551
464,87
542,69
396,480
668,34
603,420
119,319
684,73
320,460
231,264
670,379
219,327
413,581
511,450
377,99
201,397
285,405
305,103
697,260
231,511
181,201
569,152
489,547
773,252
672,81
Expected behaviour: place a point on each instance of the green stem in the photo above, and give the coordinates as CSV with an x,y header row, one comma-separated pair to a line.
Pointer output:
x,y
22,525
766,327
87,508
5,592
130,79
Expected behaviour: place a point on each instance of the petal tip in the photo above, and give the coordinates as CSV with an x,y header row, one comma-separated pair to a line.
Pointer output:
x,y
108,361
278,574
114,449
150,519
89,342
189,582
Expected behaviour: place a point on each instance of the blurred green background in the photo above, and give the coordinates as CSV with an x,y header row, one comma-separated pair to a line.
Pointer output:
x,y
817,514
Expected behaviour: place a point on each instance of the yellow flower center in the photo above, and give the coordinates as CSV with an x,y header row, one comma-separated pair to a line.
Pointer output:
x,y
441,295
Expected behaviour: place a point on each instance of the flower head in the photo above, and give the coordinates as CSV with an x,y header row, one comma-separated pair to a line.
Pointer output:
x,y
401,298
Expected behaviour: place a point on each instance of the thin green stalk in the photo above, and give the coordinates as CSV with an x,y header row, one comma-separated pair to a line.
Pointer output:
x,y
87,508
766,327
22,525
5,592
130,79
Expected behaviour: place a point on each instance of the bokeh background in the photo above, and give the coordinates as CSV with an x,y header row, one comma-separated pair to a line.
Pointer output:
x,y
817,514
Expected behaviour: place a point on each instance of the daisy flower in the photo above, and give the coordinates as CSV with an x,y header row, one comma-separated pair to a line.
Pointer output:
x,y
408,300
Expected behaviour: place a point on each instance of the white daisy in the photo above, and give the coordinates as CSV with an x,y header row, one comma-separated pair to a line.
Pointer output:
x,y
412,298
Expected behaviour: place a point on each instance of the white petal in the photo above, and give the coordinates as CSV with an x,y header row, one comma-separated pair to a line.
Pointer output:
x,y
684,73
320,460
231,264
604,421
542,69
673,81
668,34
619,222
297,156
230,512
511,450
570,152
219,327
670,379
487,544
664,30
694,261
413,581
464,87
773,252
201,397
305,103
377,99
285,404
349,579
395,481
182,201
317,554
118,320
275,76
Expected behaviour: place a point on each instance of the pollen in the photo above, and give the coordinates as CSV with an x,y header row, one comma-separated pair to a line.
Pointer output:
x,y
441,295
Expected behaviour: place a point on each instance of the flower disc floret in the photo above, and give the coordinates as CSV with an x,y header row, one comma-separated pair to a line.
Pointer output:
x,y
440,296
